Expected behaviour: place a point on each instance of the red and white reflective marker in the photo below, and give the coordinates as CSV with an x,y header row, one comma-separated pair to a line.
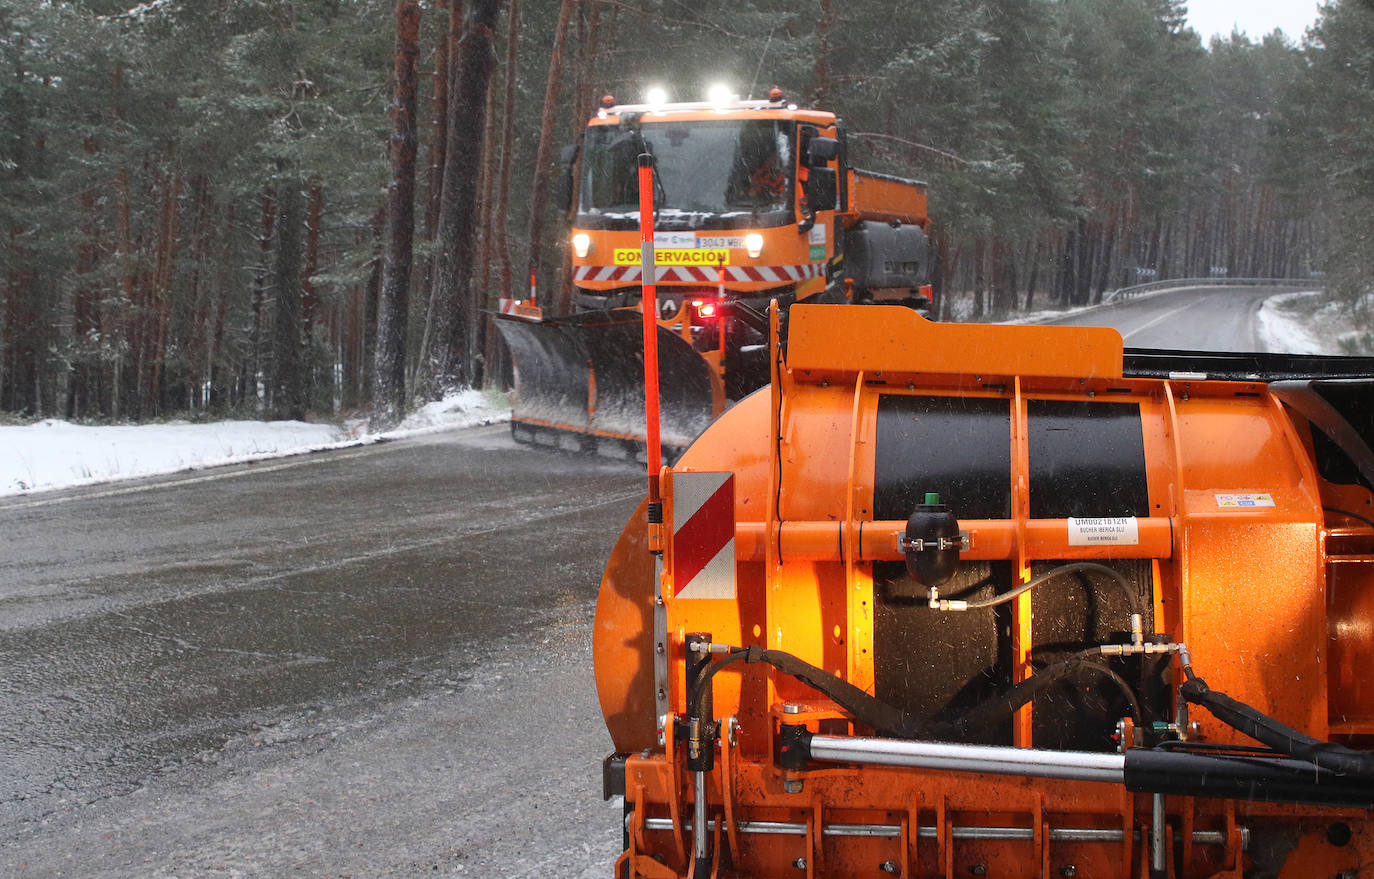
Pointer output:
x,y
703,550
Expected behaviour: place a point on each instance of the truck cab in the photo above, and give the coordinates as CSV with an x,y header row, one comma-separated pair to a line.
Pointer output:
x,y
755,201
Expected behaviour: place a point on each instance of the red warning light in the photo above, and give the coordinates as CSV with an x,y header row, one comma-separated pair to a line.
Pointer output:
x,y
704,309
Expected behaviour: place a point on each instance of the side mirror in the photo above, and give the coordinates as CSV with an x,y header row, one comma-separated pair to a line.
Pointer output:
x,y
820,150
821,188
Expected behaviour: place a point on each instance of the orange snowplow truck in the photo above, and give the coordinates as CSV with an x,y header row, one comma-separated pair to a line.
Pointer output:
x,y
950,600
755,201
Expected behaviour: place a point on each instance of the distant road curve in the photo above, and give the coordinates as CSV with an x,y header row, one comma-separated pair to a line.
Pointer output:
x,y
1208,318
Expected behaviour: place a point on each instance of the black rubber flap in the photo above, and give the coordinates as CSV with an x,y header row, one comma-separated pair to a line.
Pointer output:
x,y
959,447
931,664
1087,459
936,665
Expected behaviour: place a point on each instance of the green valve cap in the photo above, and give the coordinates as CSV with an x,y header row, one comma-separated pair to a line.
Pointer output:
x,y
932,498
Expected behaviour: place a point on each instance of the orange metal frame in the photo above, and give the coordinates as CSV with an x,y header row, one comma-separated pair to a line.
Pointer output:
x,y
1276,604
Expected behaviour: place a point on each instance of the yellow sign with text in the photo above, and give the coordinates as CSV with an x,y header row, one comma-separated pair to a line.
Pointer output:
x,y
665,256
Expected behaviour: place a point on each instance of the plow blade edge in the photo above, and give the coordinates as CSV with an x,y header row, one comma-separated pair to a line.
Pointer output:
x,y
583,375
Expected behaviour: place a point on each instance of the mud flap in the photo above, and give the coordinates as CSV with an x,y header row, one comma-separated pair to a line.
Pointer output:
x,y
584,375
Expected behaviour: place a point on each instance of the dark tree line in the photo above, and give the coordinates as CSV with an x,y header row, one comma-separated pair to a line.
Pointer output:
x,y
294,207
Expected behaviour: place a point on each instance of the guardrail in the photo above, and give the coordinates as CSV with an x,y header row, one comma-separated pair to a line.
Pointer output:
x,y
1176,283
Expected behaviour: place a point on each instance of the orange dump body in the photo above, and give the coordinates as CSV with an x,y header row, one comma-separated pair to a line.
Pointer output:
x,y
1238,542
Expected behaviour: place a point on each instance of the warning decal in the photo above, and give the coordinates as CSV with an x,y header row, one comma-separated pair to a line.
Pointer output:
x,y
1234,501
703,547
1121,531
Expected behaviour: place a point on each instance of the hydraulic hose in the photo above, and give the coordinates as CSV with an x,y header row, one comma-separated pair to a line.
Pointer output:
x,y
1001,708
1279,736
881,716
1071,568
888,720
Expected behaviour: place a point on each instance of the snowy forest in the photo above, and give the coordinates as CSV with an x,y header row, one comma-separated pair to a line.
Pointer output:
x,y
207,205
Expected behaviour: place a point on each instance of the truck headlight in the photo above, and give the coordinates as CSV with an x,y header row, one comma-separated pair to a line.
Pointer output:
x,y
753,244
582,245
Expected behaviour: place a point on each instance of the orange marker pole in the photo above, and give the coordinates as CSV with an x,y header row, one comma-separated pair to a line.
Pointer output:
x,y
649,305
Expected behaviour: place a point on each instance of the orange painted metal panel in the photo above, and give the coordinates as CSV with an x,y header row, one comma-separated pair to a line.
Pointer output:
x,y
894,344
887,198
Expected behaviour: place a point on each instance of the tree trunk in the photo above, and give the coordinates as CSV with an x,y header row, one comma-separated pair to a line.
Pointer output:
x,y
196,374
589,49
942,283
310,301
393,304
502,240
438,117
1034,271
372,294
259,356
160,293
444,74
980,248
820,92
481,290
543,160
1003,290
85,396
288,397
452,360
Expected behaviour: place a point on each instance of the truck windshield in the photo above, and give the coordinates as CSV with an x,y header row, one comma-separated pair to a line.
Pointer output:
x,y
705,170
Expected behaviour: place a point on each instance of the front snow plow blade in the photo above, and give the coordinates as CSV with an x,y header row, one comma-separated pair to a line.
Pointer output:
x,y
579,381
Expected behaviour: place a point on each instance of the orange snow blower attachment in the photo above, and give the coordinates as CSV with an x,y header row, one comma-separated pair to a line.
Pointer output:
x,y
956,600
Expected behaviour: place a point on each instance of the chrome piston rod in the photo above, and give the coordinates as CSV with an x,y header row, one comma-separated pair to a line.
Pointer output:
x,y
1073,765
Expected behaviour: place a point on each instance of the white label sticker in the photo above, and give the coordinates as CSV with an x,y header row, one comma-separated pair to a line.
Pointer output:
x,y
1104,532
817,234
1237,501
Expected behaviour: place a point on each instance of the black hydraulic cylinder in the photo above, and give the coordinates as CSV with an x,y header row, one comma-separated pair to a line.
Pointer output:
x,y
701,749
1262,779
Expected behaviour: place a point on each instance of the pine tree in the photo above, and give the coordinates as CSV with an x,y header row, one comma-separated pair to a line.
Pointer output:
x,y
453,360
1339,96
389,392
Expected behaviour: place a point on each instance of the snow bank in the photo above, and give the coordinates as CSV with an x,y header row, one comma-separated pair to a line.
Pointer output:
x,y
1296,323
53,454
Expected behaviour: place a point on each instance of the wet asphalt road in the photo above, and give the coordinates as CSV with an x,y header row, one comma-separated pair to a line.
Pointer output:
x,y
1192,319
361,663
